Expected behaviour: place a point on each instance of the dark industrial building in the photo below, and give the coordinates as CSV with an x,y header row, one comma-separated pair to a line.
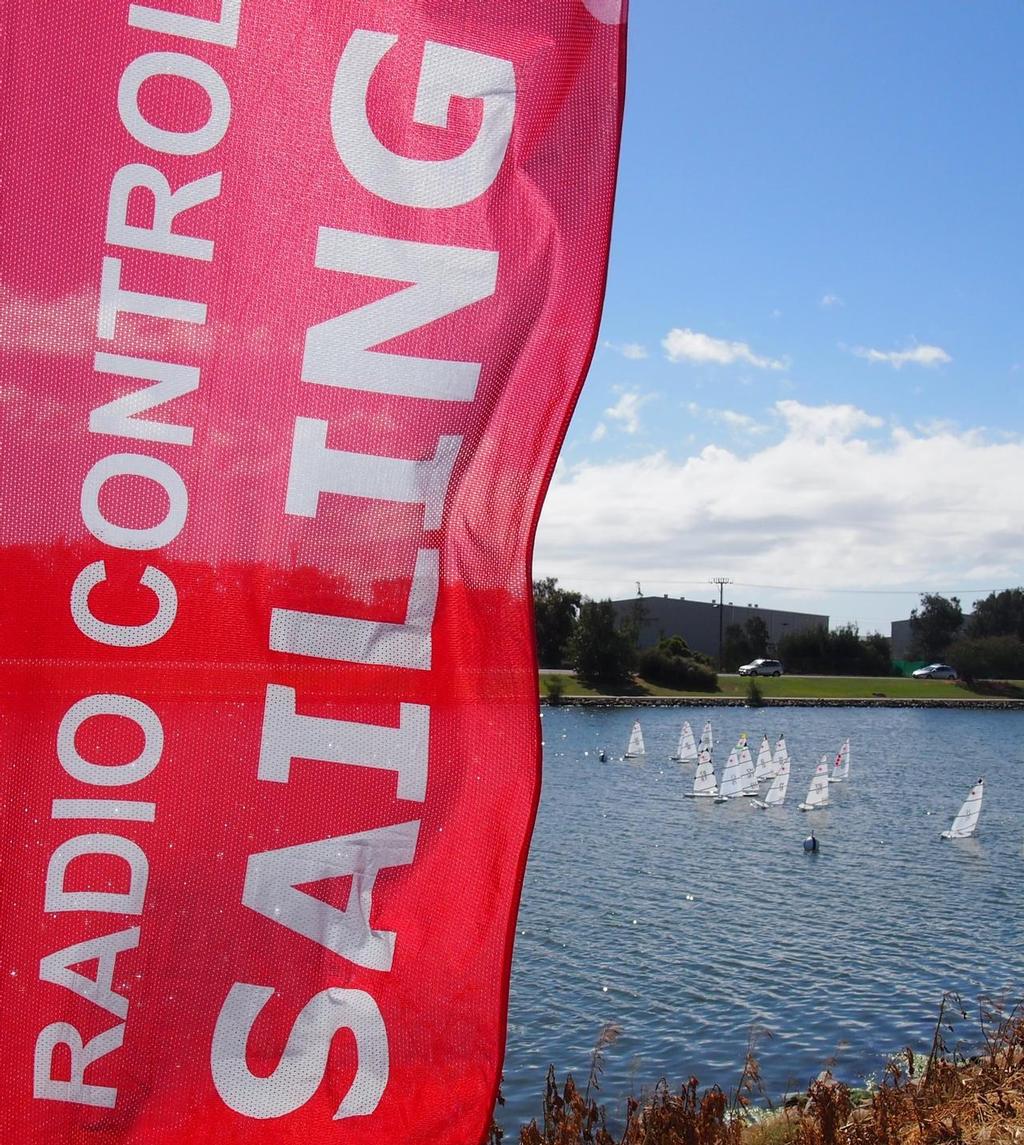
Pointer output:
x,y
697,621
901,637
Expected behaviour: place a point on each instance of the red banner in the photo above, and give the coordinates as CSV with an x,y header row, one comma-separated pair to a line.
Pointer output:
x,y
296,301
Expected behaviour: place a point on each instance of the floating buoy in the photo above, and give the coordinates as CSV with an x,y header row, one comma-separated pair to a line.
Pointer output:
x,y
810,843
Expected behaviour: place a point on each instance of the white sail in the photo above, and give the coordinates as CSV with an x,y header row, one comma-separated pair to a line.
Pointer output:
x,y
967,817
747,768
707,740
763,767
817,793
776,793
686,751
730,787
738,774
704,783
841,767
636,742
780,755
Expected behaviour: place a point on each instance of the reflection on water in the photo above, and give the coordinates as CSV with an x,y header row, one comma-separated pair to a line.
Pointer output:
x,y
689,923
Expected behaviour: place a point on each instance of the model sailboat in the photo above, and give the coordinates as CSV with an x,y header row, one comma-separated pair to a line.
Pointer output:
x,y
635,749
776,792
967,817
707,740
738,774
780,755
686,750
747,768
841,767
704,783
763,766
817,793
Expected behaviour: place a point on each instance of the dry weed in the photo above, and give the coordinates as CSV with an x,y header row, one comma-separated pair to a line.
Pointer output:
x,y
944,1099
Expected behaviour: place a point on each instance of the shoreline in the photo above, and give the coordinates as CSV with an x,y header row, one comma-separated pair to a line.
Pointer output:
x,y
974,704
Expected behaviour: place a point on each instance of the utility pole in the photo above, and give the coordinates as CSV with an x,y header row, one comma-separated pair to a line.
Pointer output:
x,y
638,615
721,581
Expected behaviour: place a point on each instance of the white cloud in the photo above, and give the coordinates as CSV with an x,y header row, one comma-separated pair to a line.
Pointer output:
x,y
600,432
935,425
824,423
738,421
626,410
828,301
841,500
691,346
917,355
634,351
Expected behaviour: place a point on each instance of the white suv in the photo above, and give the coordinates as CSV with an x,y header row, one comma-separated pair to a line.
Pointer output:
x,y
761,667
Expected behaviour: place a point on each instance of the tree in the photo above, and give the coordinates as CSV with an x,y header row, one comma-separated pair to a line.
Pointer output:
x,y
756,631
735,648
602,655
742,643
805,650
877,655
554,617
841,652
999,614
935,625
987,657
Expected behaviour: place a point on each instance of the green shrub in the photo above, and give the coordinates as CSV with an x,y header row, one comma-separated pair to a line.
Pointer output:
x,y
672,665
554,686
755,697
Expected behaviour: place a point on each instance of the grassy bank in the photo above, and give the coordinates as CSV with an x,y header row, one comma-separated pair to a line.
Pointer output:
x,y
819,688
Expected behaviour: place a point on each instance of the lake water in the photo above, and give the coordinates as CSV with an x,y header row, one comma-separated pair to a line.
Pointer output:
x,y
690,923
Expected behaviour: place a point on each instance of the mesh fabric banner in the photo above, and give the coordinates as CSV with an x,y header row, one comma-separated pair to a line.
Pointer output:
x,y
296,301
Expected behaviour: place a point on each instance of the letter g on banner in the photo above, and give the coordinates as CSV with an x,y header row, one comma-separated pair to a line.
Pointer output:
x,y
446,72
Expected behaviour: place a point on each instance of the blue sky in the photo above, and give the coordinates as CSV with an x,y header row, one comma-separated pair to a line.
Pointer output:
x,y
811,365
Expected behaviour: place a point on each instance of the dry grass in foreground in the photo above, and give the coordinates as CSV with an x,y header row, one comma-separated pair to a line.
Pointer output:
x,y
921,1101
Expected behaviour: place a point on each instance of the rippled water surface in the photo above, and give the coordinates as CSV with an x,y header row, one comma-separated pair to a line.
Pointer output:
x,y
688,922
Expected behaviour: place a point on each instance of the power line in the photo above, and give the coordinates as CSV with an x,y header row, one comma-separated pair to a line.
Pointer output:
x,y
812,588
864,591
